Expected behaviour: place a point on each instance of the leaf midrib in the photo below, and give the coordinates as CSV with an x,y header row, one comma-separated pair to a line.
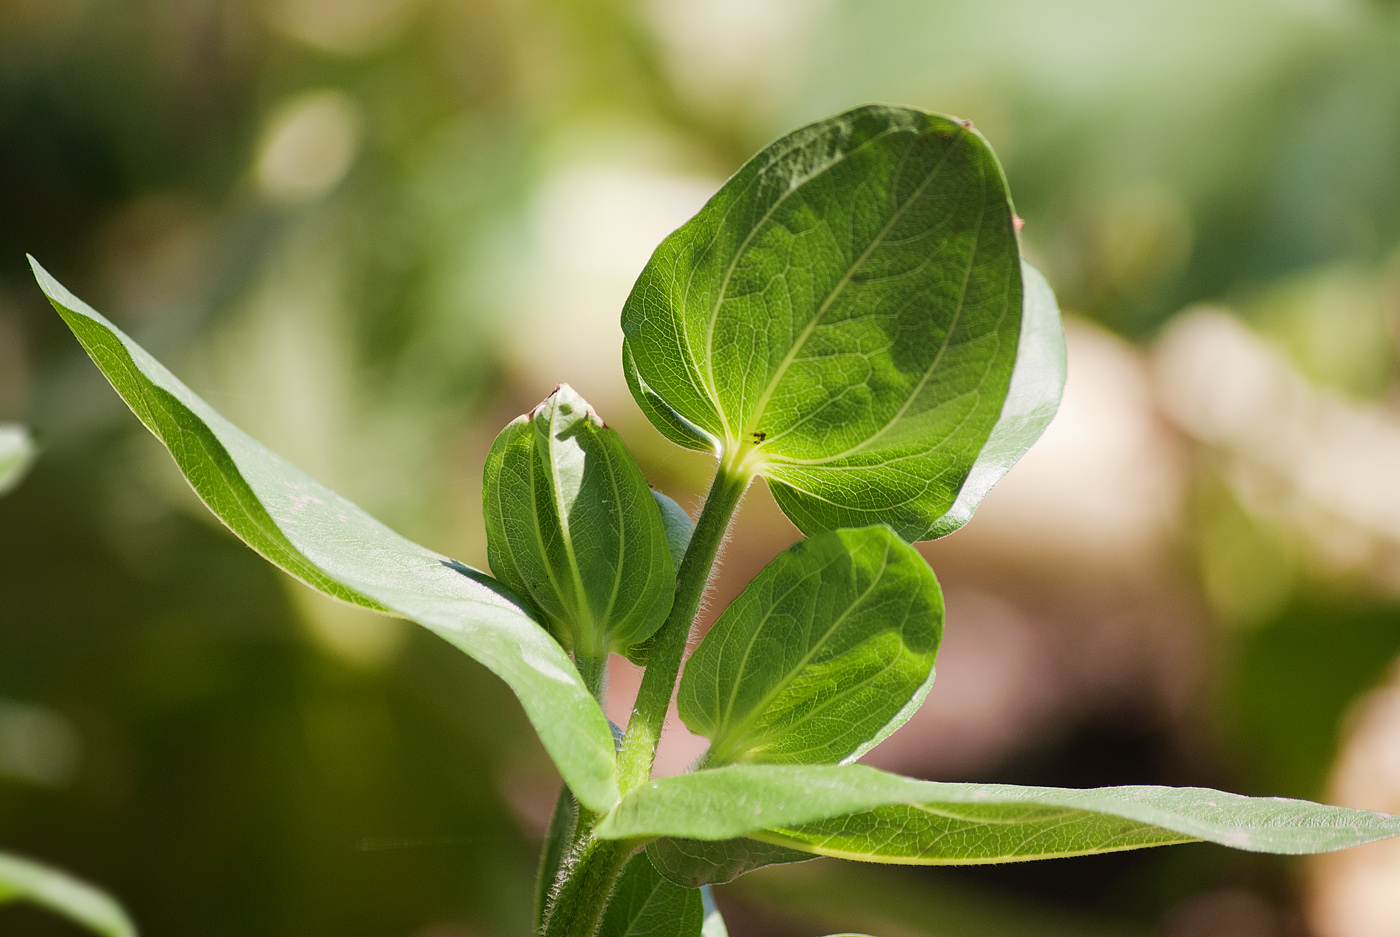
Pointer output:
x,y
766,397
737,730
928,372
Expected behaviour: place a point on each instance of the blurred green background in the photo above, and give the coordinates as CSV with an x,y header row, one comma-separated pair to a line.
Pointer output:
x,y
373,231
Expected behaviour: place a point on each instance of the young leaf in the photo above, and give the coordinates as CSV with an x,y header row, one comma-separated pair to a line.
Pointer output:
x,y
17,451
696,862
646,905
572,524
27,880
1037,384
842,318
330,544
679,527
821,655
857,812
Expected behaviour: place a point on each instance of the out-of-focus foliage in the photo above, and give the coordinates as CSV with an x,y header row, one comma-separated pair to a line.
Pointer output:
x,y
356,224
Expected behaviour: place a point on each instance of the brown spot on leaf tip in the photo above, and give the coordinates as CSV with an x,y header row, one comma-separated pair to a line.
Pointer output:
x,y
965,123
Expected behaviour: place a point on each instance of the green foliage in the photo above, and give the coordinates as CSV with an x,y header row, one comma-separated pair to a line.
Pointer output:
x,y
843,316
331,545
571,524
858,812
850,318
17,451
26,880
647,905
828,651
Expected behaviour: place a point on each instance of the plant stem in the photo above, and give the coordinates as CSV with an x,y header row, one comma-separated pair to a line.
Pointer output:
x,y
594,671
659,681
585,885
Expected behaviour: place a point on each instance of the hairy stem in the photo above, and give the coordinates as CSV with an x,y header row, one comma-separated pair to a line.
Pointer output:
x,y
659,681
594,671
584,886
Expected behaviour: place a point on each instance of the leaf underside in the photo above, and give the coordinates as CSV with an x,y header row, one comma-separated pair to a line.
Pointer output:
x,y
331,545
1037,384
644,904
857,812
26,880
821,655
846,312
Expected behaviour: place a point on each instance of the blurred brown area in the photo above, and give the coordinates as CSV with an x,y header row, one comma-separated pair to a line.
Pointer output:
x,y
373,231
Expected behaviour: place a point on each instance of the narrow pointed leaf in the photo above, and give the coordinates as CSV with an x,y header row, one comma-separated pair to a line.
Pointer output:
x,y
646,905
572,525
857,812
333,546
820,655
843,315
17,451
1037,384
697,862
27,880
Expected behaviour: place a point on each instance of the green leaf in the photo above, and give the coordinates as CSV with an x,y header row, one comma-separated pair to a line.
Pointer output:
x,y
679,527
695,862
17,452
1037,384
842,318
572,525
27,880
827,651
331,545
646,905
857,812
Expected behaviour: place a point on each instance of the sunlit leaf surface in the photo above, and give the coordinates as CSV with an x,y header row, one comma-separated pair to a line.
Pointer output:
x,y
330,544
857,812
844,314
826,652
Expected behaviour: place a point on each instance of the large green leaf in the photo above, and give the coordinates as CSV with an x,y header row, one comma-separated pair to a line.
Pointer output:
x,y
572,524
26,880
842,317
857,812
646,905
1037,384
330,544
17,451
826,652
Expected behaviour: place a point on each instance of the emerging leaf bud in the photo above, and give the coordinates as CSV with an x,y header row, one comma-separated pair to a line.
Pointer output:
x,y
572,526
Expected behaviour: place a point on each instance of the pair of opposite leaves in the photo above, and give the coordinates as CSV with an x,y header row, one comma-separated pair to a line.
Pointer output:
x,y
825,653
848,317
